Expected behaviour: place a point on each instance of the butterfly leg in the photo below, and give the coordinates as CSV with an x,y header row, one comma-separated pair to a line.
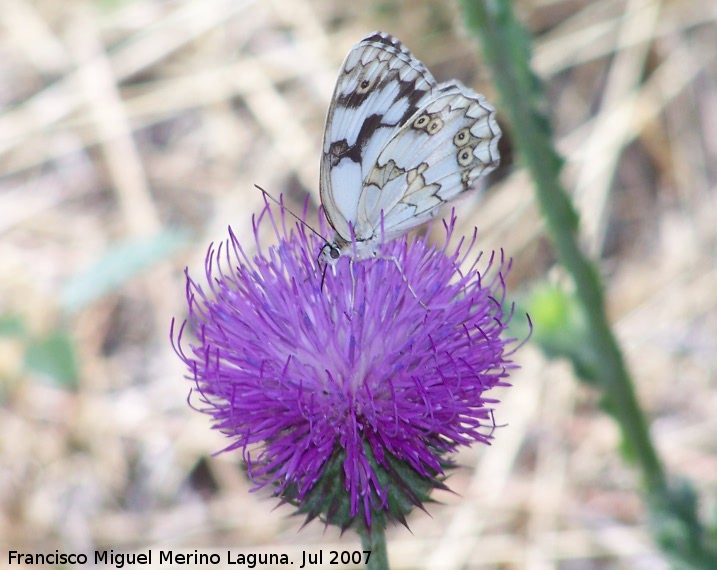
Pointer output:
x,y
405,280
353,282
400,270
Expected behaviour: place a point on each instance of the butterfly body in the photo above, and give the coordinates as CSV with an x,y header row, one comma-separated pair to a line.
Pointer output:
x,y
397,146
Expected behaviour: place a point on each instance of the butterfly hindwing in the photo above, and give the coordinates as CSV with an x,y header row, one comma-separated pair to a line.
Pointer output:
x,y
436,155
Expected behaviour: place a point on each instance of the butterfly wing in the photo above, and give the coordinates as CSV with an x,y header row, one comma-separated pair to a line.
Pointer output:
x,y
380,87
437,154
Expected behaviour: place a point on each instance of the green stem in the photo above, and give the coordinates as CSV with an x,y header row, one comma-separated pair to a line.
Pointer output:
x,y
674,508
505,49
374,541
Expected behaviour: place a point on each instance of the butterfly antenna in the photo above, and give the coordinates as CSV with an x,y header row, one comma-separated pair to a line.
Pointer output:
x,y
323,277
298,219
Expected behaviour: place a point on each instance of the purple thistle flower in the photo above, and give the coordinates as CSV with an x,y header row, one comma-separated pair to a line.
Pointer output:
x,y
347,399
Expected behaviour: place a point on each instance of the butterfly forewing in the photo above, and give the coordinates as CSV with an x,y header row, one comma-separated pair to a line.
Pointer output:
x,y
397,146
379,88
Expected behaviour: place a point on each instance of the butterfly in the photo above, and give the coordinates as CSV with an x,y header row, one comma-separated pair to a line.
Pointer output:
x,y
397,146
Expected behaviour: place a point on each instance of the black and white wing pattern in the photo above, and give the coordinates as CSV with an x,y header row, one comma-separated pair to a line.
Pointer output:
x,y
397,145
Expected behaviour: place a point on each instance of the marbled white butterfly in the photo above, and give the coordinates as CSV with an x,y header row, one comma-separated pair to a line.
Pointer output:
x,y
397,146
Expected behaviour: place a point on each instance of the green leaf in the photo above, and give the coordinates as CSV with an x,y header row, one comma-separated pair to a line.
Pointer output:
x,y
53,356
11,325
561,329
118,265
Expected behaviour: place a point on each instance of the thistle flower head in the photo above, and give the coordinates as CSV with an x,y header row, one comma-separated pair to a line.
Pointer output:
x,y
347,399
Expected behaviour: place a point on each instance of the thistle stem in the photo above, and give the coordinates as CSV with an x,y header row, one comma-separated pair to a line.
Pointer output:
x,y
374,541
677,526
517,86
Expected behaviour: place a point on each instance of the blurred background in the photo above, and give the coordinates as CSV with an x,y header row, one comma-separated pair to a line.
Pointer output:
x,y
131,135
